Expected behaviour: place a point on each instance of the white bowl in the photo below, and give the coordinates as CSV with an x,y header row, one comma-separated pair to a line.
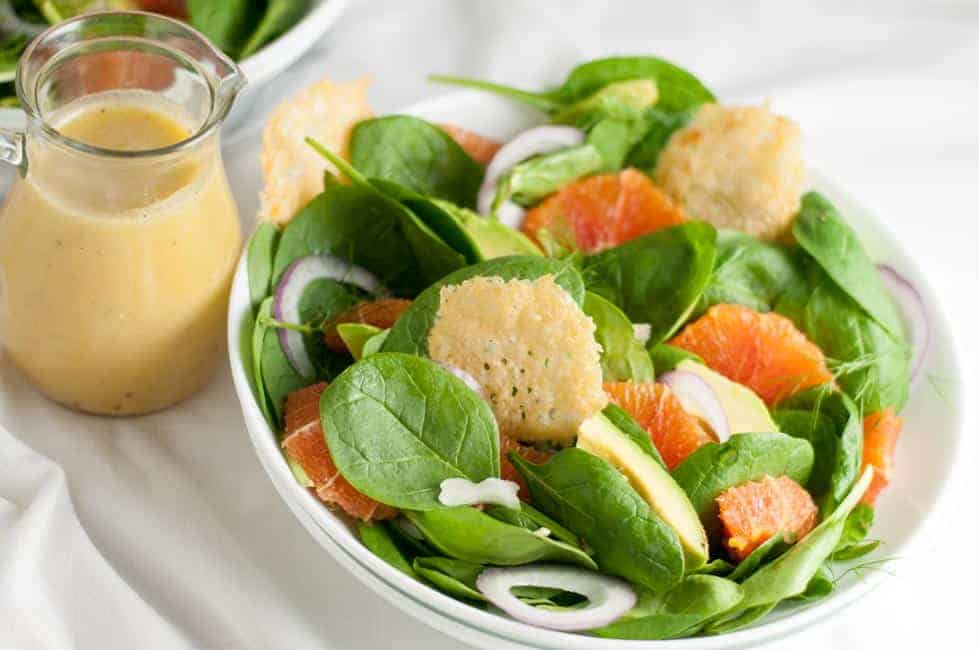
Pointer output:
x,y
925,455
264,65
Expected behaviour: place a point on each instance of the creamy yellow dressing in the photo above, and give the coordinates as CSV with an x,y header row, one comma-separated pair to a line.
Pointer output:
x,y
114,273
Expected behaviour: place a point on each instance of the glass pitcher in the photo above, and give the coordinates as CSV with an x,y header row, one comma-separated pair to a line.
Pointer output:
x,y
119,236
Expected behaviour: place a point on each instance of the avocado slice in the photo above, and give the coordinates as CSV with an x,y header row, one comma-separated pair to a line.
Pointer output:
x,y
745,411
597,435
493,238
355,336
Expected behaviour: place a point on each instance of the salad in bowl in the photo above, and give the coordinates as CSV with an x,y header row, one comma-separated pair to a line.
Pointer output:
x,y
620,375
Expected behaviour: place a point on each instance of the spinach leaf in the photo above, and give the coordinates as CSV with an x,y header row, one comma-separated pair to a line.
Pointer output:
x,y
279,17
667,357
321,300
747,566
417,155
227,24
456,578
657,278
261,252
278,375
410,332
678,89
679,612
716,567
398,425
468,534
660,126
628,425
408,538
832,423
715,467
358,225
820,585
258,345
378,541
623,356
870,365
373,344
621,100
593,499
823,234
533,520
532,180
855,530
750,272
790,574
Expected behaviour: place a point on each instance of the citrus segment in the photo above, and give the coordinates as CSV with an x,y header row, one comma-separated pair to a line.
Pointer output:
x,y
764,352
601,211
880,433
479,148
306,444
380,313
751,513
676,433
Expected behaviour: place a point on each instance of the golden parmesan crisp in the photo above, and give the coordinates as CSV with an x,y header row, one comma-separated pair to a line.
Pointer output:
x,y
530,347
737,167
293,172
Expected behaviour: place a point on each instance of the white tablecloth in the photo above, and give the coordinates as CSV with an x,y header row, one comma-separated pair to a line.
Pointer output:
x,y
163,531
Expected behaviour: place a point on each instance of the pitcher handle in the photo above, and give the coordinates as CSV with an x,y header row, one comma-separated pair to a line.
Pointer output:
x,y
12,149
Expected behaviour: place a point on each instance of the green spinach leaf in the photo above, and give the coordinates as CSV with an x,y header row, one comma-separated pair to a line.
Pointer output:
x,y
623,356
823,234
417,155
261,253
628,425
227,24
398,425
533,520
468,534
660,127
532,180
279,17
667,357
715,467
855,531
679,612
750,272
410,332
456,578
832,423
594,500
378,541
278,375
657,278
772,546
258,346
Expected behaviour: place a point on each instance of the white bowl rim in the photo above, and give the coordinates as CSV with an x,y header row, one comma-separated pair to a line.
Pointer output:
x,y
458,618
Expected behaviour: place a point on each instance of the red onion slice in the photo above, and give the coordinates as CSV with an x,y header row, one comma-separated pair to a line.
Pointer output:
x,y
608,598
912,306
285,304
699,399
527,144
466,378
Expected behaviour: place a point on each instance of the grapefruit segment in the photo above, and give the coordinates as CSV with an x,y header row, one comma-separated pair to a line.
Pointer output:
x,y
676,433
480,148
602,211
880,433
306,444
764,352
753,512
379,313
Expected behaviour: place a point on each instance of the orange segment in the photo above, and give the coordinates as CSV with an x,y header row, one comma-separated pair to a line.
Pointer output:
x,y
380,313
764,352
479,148
880,433
601,211
676,433
508,472
306,444
753,512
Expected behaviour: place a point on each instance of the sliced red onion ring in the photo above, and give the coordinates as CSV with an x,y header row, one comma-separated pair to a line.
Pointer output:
x,y
466,378
510,214
699,399
463,492
285,305
608,598
527,144
915,315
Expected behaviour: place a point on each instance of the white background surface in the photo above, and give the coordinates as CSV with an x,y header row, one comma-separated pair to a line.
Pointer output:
x,y
199,551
